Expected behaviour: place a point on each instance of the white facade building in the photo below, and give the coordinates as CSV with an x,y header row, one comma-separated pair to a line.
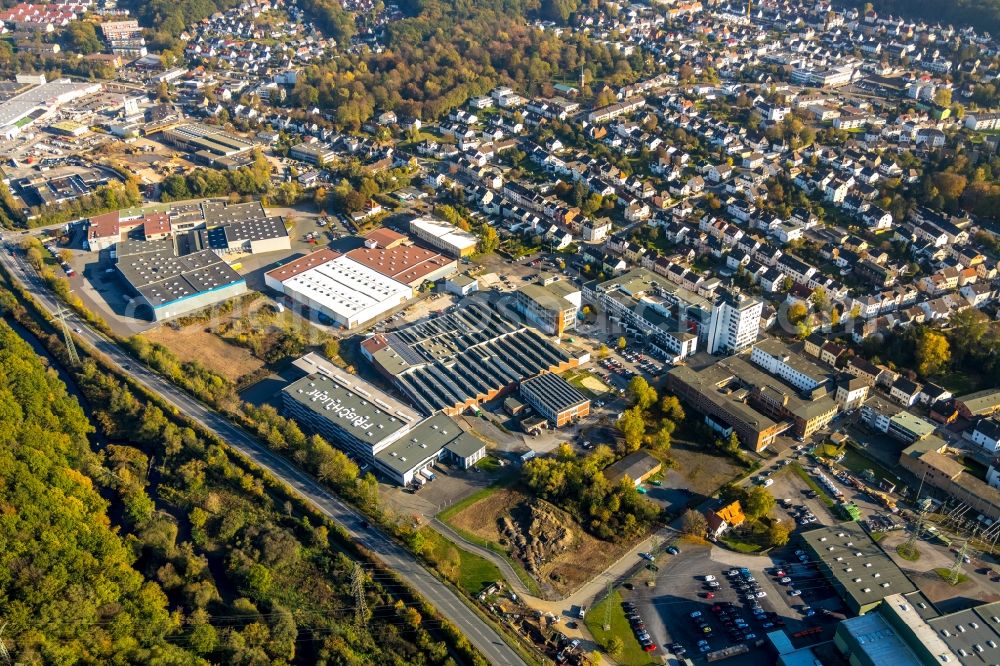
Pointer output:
x,y
734,324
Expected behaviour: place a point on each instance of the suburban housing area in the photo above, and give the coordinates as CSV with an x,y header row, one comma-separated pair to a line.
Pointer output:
x,y
514,333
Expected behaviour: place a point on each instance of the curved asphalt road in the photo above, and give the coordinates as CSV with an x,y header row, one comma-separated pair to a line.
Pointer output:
x,y
447,602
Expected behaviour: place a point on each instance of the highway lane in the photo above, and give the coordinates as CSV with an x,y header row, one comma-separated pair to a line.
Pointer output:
x,y
446,601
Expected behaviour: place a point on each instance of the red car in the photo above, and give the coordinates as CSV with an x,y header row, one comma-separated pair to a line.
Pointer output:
x,y
709,595
649,648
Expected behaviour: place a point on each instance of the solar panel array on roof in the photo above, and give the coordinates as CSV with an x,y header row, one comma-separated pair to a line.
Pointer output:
x,y
489,366
449,334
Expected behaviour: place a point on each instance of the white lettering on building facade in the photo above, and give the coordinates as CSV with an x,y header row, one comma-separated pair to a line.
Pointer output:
x,y
337,407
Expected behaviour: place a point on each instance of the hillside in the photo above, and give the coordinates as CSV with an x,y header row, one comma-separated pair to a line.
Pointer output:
x,y
68,591
980,14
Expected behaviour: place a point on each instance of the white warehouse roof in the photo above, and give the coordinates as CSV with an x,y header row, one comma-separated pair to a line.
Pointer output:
x,y
351,291
446,232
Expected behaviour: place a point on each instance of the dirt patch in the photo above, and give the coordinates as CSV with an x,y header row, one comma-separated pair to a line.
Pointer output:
x,y
195,343
594,384
546,540
700,472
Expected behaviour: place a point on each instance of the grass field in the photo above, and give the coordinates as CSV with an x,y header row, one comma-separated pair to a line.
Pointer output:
x,y
462,505
947,576
632,654
823,496
908,553
588,384
194,343
961,383
857,462
470,572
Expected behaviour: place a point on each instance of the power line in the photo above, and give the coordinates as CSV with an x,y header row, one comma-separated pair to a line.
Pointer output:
x,y
358,586
60,316
3,646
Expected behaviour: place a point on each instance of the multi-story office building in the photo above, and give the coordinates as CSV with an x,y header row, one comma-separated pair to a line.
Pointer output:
x,y
551,305
734,323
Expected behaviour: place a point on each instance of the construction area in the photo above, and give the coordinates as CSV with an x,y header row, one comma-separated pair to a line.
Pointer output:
x,y
546,541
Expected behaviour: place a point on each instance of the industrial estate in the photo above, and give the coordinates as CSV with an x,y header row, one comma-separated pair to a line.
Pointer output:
x,y
511,333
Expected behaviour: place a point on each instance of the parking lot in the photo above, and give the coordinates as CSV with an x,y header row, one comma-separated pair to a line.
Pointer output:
x,y
701,605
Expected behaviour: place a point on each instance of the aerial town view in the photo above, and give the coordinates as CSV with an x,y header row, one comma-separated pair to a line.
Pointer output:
x,y
502,332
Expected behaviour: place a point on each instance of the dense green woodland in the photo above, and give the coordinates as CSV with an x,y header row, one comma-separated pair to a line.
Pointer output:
x,y
448,51
67,587
980,14
163,549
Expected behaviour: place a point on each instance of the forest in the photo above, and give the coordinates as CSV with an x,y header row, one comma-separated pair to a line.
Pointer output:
x,y
981,14
161,547
447,51
606,510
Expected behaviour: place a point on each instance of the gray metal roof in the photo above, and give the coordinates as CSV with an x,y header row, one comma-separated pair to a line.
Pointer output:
x,y
553,391
861,571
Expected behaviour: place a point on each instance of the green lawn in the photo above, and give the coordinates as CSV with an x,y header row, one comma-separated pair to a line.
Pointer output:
x,y
577,380
858,462
463,503
633,654
823,496
946,576
907,552
961,383
472,573
740,546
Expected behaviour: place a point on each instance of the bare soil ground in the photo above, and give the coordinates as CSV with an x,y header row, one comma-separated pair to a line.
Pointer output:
x,y
700,472
546,540
194,343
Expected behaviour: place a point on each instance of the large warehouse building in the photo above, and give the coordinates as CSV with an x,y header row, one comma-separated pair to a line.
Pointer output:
x,y
357,287
457,361
555,399
444,236
212,145
346,292
171,278
36,102
861,573
226,229
372,426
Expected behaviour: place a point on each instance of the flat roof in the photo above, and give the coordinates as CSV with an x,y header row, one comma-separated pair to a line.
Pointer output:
x,y
877,639
155,223
426,439
641,281
446,232
972,634
157,272
913,423
554,295
793,358
316,363
384,237
861,571
553,392
48,96
347,288
218,212
403,263
345,408
255,229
